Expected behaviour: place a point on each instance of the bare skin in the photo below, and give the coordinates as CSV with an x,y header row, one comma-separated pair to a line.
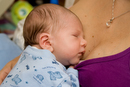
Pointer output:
x,y
101,41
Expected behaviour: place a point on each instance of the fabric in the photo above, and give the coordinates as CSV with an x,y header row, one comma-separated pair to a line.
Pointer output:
x,y
110,71
39,68
8,50
18,34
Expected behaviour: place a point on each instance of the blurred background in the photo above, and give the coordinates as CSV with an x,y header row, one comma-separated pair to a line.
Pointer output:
x,y
12,11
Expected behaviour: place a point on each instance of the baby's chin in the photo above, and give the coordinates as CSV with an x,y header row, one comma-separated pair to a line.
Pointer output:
x,y
76,63
72,63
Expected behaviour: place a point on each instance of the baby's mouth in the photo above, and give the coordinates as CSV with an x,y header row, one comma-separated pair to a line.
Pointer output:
x,y
81,54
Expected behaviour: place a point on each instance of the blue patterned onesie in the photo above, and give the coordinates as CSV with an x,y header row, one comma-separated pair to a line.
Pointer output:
x,y
39,68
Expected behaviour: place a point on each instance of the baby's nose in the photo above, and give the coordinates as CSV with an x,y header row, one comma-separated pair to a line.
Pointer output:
x,y
84,43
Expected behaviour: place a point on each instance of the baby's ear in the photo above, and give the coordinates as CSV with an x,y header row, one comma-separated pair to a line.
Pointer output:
x,y
44,41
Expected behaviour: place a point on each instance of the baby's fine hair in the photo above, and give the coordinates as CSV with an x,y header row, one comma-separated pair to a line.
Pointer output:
x,y
44,18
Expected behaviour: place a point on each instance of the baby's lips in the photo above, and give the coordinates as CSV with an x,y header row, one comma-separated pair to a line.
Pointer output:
x,y
83,52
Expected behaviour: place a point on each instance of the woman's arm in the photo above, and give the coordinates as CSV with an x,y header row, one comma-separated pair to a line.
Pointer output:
x,y
7,68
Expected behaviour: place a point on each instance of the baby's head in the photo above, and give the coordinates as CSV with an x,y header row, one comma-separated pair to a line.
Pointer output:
x,y
57,29
47,18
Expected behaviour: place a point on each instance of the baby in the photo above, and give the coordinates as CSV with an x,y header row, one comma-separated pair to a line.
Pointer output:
x,y
53,39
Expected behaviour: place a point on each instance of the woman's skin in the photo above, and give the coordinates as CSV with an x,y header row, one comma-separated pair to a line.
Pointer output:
x,y
101,41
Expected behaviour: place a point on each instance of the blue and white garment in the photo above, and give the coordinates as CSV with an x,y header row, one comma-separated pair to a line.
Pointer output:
x,y
39,68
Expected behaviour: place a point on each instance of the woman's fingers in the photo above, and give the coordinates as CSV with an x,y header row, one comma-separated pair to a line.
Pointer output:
x,y
4,72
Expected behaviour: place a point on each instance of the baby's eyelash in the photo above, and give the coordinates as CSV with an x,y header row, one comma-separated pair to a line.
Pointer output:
x,y
75,35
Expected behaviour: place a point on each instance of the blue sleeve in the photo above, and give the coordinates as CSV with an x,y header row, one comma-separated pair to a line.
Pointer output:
x,y
61,78
8,50
73,74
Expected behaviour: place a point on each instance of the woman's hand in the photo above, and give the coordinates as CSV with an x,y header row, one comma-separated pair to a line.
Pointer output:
x,y
7,68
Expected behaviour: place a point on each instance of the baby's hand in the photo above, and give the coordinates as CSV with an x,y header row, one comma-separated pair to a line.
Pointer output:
x,y
71,66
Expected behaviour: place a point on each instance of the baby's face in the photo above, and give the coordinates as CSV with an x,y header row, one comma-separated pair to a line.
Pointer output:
x,y
68,42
